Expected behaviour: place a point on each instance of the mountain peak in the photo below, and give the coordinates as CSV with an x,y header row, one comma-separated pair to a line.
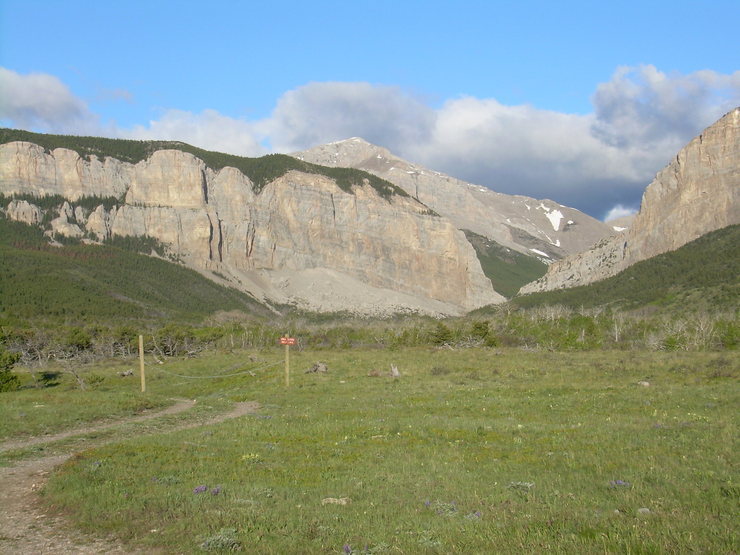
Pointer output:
x,y
351,140
523,224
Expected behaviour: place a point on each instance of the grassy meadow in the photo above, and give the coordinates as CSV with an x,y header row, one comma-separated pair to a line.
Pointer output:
x,y
473,450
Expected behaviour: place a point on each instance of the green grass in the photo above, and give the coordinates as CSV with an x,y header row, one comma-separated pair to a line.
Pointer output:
x,y
30,412
508,270
470,451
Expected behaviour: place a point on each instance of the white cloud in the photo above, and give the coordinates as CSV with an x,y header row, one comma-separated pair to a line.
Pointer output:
x,y
594,162
619,211
319,113
641,118
209,130
519,149
42,101
645,107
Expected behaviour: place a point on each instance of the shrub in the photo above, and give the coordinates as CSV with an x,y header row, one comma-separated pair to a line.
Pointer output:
x,y
8,380
441,334
78,339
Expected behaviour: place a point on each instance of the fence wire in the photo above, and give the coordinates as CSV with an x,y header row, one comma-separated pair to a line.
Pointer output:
x,y
223,375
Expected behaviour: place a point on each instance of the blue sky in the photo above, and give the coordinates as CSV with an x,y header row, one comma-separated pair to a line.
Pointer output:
x,y
581,102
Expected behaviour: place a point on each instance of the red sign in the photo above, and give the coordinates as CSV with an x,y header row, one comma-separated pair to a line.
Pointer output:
x,y
287,341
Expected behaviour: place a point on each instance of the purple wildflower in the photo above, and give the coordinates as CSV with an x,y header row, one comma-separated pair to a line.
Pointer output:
x,y
346,548
619,484
216,490
200,489
427,503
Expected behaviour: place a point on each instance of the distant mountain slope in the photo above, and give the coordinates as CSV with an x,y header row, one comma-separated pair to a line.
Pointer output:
x,y
100,282
702,274
540,228
507,269
697,192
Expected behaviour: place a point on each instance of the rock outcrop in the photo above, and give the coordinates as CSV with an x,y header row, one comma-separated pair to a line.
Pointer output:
x,y
301,239
540,228
24,211
697,192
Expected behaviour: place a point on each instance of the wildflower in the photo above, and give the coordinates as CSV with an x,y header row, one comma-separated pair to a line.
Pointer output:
x,y
346,548
200,489
619,484
216,490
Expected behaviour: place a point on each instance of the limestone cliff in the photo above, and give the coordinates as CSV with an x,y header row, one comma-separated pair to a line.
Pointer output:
x,y
301,239
697,192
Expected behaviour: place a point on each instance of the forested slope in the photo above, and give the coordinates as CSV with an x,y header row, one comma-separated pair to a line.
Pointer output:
x,y
102,282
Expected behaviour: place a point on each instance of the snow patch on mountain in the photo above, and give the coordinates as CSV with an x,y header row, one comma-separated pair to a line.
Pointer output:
x,y
540,253
553,215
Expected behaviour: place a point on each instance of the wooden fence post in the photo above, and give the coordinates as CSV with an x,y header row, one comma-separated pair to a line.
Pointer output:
x,y
141,363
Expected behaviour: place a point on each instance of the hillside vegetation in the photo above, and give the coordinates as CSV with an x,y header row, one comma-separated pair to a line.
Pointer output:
x,y
260,171
508,270
703,275
91,301
95,283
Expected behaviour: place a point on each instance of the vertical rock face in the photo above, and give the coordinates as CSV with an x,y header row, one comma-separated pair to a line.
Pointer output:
x,y
697,192
25,168
301,240
391,245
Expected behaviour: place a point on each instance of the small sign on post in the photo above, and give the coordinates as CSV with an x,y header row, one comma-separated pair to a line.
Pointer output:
x,y
287,341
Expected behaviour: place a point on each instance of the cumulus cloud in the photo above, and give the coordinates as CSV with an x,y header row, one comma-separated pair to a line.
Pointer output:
x,y
519,149
643,106
209,129
596,162
619,211
41,101
319,113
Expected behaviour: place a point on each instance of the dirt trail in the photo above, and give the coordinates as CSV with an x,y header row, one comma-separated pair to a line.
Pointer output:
x,y
179,406
24,526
